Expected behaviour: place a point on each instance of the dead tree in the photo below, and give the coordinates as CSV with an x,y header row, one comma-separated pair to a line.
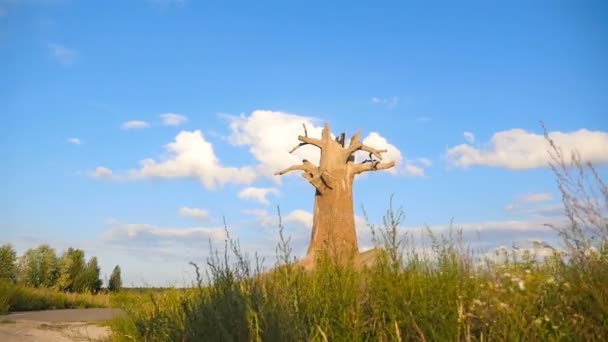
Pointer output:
x,y
333,229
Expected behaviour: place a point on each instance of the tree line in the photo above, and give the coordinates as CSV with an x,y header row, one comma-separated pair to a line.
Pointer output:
x,y
41,267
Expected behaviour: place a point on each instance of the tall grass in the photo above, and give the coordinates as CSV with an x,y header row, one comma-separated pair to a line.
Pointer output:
x,y
14,297
402,294
405,295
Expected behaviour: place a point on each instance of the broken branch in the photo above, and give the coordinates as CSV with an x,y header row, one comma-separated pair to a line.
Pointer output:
x,y
373,166
305,166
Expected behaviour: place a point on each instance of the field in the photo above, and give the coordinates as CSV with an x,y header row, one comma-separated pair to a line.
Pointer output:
x,y
438,296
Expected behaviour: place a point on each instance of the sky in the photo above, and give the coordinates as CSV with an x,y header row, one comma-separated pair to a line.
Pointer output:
x,y
132,129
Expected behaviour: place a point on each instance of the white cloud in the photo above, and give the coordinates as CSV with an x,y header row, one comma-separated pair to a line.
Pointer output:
x,y
191,156
535,204
195,213
172,119
469,137
270,135
152,234
62,54
134,124
257,194
402,165
390,103
425,162
301,217
413,170
520,150
102,172
74,141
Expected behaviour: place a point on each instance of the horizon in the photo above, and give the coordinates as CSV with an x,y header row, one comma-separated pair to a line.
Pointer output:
x,y
133,129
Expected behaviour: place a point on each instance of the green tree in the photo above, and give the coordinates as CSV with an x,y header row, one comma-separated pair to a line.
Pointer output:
x,y
8,263
115,282
88,280
39,267
71,265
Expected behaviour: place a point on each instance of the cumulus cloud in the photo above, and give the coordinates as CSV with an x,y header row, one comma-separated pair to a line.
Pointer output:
x,y
257,194
62,54
192,156
301,217
102,172
390,102
74,141
270,135
518,149
134,124
195,213
172,119
402,165
469,137
413,170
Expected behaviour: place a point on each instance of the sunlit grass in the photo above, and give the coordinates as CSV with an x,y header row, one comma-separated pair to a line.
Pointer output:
x,y
406,295
14,297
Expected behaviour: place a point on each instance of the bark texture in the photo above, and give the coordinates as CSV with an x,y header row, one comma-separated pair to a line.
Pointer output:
x,y
333,230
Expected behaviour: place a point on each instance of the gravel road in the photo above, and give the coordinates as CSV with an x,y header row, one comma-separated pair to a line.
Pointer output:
x,y
56,325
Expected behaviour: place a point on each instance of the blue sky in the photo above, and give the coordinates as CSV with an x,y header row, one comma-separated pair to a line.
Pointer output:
x,y
85,89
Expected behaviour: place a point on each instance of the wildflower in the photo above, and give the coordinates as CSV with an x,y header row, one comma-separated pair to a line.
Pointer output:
x,y
477,302
528,271
538,321
506,275
520,284
551,281
503,305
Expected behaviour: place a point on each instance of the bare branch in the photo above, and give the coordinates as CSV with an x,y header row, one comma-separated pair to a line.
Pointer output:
x,y
355,138
297,147
375,152
305,166
305,140
356,145
373,166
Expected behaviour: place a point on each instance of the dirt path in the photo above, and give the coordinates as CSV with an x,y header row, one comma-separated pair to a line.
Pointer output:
x,y
56,325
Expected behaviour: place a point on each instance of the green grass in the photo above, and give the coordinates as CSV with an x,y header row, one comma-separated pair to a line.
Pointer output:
x,y
443,297
15,297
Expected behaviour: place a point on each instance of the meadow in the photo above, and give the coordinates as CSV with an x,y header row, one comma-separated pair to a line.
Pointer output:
x,y
18,297
446,294
439,296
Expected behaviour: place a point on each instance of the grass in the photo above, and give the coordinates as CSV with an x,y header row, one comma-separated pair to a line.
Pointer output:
x,y
444,295
15,297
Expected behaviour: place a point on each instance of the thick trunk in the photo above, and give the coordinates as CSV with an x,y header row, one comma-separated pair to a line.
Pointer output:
x,y
333,229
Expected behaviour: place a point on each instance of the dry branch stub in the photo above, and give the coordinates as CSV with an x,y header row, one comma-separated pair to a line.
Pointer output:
x,y
333,229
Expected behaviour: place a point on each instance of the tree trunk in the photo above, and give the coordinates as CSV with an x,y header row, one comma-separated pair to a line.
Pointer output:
x,y
333,231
